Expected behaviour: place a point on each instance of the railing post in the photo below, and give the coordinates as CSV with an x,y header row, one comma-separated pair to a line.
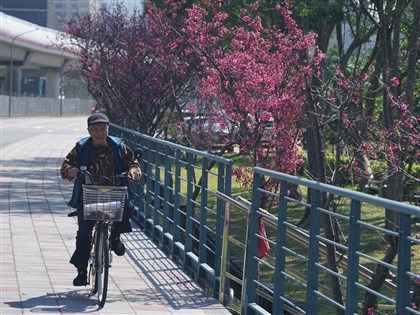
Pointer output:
x,y
404,262
249,289
140,191
190,205
148,170
353,259
220,211
311,298
224,256
280,257
177,205
203,214
167,196
157,194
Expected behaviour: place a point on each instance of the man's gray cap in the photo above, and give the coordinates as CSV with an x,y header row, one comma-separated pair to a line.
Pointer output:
x,y
96,118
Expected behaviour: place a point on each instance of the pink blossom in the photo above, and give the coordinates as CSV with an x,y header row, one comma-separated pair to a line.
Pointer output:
x,y
395,81
364,77
371,311
417,281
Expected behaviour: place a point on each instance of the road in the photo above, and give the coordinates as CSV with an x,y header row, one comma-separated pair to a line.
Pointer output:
x,y
18,129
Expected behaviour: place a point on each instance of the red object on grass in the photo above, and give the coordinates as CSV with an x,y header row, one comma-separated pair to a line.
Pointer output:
x,y
263,245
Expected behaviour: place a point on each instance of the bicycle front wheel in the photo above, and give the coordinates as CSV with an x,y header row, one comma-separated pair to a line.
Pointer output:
x,y
102,264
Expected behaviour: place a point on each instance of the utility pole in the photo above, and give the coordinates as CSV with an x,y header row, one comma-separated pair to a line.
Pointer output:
x,y
11,67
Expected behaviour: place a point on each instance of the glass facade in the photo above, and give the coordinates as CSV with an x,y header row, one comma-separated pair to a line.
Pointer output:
x,y
56,13
28,10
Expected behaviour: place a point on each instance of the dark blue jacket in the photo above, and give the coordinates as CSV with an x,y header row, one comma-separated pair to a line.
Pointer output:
x,y
82,147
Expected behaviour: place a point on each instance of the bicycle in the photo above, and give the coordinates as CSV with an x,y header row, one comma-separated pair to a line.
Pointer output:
x,y
105,205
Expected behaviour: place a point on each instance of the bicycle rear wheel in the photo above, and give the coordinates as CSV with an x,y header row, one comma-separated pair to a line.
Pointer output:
x,y
101,271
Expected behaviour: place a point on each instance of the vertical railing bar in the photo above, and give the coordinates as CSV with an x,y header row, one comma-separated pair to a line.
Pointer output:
x,y
353,258
139,187
220,214
251,265
280,267
403,265
157,202
202,257
224,256
167,191
311,298
190,204
227,191
149,175
177,203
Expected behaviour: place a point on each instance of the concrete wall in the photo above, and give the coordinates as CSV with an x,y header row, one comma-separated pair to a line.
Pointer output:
x,y
43,106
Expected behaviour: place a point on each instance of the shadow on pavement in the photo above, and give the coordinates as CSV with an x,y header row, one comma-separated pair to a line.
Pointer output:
x,y
174,286
62,302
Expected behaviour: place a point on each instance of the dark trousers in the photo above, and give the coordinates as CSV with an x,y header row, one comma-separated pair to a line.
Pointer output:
x,y
80,256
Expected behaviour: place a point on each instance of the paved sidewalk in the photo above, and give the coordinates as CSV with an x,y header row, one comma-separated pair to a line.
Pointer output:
x,y
37,239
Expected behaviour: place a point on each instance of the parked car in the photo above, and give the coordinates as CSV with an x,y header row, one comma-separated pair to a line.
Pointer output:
x,y
220,131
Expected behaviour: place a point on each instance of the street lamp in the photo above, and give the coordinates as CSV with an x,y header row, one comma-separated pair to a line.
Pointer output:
x,y
11,67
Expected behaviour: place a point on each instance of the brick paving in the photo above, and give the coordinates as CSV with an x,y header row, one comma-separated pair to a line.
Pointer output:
x,y
37,239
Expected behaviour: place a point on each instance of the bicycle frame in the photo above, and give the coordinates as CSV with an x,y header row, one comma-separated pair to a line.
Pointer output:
x,y
99,261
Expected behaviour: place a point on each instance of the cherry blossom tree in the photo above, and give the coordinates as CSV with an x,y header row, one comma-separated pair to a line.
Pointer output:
x,y
367,106
251,78
130,70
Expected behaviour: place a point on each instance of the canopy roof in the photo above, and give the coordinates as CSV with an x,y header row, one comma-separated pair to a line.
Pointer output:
x,y
20,38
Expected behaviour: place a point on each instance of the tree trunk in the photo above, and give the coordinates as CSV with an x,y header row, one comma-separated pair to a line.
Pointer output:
x,y
378,279
314,141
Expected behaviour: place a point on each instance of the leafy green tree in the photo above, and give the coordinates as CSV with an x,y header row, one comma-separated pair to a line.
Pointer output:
x,y
367,106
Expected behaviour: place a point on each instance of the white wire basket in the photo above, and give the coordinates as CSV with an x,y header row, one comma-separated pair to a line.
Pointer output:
x,y
103,203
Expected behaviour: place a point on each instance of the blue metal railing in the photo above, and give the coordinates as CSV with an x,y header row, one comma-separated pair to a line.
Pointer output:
x,y
312,295
194,222
174,206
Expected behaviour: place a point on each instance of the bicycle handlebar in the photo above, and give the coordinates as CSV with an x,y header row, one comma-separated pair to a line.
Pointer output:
x,y
138,153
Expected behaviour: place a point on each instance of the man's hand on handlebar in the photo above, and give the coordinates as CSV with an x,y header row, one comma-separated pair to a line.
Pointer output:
x,y
135,176
72,173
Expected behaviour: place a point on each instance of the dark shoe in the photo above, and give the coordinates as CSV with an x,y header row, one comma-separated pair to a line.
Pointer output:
x,y
117,246
81,278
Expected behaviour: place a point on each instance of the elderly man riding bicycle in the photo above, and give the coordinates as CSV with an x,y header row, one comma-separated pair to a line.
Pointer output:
x,y
105,157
